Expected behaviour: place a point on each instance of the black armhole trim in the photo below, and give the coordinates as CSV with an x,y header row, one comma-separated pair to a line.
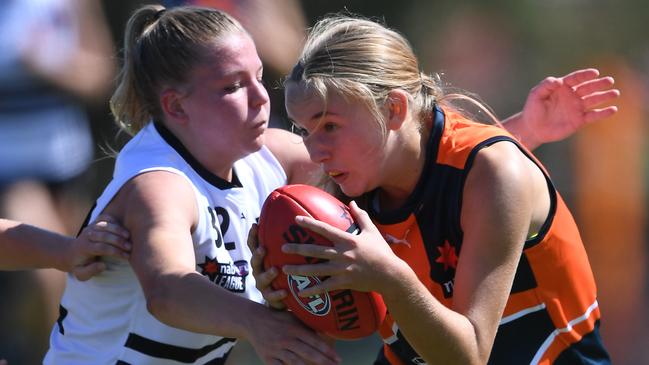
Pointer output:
x,y
87,219
193,162
551,189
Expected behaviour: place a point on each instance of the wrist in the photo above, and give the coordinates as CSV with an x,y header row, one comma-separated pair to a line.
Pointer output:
x,y
519,127
398,279
63,255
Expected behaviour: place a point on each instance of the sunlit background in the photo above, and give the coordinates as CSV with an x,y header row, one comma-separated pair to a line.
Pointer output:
x,y
498,49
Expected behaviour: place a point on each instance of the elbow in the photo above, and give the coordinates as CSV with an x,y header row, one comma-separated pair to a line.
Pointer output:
x,y
158,302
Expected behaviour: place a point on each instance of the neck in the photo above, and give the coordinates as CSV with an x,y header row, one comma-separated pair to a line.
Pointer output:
x,y
194,154
406,165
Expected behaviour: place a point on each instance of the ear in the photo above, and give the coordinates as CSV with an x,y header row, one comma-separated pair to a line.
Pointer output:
x,y
172,106
397,108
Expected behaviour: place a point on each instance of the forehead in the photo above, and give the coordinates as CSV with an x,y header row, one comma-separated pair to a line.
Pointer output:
x,y
231,53
305,104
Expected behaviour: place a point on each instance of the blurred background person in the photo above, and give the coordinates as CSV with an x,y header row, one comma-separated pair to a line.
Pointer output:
x,y
56,58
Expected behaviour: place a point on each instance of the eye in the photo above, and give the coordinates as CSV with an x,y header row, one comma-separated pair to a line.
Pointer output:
x,y
330,127
232,87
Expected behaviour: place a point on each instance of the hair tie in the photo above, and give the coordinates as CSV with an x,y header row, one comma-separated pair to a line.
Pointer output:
x,y
298,71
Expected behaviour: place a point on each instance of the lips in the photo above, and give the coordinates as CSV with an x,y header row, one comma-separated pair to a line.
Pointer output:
x,y
337,176
258,125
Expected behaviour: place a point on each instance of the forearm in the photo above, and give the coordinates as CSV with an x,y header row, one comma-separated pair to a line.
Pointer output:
x,y
217,312
27,247
438,334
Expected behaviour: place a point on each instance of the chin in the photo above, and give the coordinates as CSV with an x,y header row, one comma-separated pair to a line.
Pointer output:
x,y
259,141
351,192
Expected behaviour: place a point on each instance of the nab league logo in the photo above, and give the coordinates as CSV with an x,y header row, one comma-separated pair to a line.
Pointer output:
x,y
318,304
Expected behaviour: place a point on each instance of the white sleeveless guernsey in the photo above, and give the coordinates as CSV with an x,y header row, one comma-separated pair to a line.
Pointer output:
x,y
105,320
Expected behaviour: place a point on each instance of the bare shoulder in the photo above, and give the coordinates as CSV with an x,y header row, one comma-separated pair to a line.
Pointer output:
x,y
502,162
154,196
283,143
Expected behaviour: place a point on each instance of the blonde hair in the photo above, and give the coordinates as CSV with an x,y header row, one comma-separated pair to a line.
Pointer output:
x,y
160,48
363,60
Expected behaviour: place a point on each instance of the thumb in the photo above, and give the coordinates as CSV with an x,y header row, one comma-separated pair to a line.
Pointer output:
x,y
83,273
362,219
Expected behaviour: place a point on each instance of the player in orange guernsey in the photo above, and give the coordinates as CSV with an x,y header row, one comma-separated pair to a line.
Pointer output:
x,y
463,233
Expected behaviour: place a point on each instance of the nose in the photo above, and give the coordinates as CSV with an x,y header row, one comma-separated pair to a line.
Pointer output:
x,y
317,148
258,94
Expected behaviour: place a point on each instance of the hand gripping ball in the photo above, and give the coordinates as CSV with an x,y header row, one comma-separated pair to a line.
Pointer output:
x,y
342,314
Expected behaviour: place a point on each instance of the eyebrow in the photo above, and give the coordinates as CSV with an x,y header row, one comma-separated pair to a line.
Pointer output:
x,y
322,114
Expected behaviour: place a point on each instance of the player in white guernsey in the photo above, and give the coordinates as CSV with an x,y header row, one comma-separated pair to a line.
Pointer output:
x,y
188,186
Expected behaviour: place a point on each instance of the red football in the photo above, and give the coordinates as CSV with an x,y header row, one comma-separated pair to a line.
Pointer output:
x,y
342,314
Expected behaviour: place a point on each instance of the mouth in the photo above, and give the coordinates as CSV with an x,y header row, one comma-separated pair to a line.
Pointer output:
x,y
337,176
259,125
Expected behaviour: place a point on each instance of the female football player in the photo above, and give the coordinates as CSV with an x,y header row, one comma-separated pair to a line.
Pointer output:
x,y
462,231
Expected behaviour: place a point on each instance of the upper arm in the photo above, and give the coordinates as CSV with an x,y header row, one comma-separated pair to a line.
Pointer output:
x,y
291,152
499,200
159,209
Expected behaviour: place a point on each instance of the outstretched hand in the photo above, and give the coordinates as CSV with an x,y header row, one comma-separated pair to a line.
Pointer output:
x,y
559,106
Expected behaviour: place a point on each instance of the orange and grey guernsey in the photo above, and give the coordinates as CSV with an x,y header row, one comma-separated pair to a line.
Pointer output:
x,y
552,314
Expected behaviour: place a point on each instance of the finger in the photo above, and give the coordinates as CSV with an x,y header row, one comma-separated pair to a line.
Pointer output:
x,y
104,249
361,217
597,114
318,251
108,238
85,272
598,98
253,241
322,228
580,76
265,278
106,217
257,259
316,350
596,85
109,227
275,297
323,269
289,357
545,88
328,285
